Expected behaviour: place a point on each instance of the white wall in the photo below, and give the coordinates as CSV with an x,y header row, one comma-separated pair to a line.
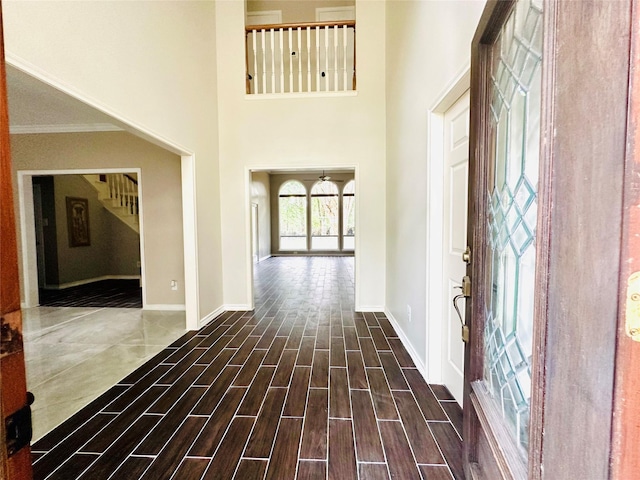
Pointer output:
x,y
338,131
260,195
150,64
428,44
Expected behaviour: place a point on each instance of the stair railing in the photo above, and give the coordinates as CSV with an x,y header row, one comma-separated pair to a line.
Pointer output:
x,y
297,58
123,189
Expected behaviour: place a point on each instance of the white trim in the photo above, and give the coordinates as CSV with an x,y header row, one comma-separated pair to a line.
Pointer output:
x,y
370,308
27,241
248,236
264,13
407,344
143,280
212,315
283,96
87,281
190,241
71,128
230,307
340,11
435,222
169,307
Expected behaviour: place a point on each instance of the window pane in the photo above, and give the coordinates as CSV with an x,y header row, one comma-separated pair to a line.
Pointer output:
x,y
292,187
324,243
324,216
293,223
293,243
348,243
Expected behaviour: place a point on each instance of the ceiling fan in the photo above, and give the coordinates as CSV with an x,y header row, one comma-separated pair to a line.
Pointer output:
x,y
322,178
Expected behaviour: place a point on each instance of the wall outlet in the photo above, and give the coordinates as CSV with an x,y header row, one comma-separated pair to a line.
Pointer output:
x,y
409,313
174,285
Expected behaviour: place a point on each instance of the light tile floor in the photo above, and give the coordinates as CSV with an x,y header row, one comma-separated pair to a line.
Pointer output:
x,y
73,355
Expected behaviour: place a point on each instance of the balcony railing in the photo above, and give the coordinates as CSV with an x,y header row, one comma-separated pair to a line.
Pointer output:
x,y
301,58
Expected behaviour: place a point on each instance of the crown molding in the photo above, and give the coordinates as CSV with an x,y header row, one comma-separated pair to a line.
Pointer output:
x,y
72,128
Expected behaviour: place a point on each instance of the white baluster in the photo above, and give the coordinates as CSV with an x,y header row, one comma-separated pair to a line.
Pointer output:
x,y
282,61
110,185
254,34
264,62
299,59
290,60
344,57
273,61
308,59
125,191
317,59
326,58
335,58
119,185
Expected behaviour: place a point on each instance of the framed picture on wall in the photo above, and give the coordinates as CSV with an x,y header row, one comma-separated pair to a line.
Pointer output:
x,y
78,222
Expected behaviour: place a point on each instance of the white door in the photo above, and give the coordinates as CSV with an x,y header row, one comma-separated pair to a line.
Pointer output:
x,y
456,167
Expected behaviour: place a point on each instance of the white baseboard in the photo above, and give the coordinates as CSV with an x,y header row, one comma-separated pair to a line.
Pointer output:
x,y
169,307
407,345
369,308
238,307
210,316
86,281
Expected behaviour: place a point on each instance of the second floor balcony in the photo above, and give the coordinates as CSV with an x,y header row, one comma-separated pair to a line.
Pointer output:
x,y
301,58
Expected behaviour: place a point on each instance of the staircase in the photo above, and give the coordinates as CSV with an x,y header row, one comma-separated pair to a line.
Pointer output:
x,y
118,193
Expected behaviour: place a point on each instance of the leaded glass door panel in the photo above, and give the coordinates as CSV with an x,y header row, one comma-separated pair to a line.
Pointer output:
x,y
503,208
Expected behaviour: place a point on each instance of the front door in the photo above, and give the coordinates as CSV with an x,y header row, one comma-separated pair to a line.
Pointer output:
x,y
14,465
549,163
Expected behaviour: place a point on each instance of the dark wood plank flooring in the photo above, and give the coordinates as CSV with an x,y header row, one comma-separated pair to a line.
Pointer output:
x,y
302,387
101,294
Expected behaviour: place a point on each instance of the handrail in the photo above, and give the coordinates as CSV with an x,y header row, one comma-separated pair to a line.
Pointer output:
x,y
135,182
277,26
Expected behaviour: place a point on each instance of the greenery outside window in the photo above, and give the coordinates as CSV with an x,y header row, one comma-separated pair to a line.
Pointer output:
x,y
293,216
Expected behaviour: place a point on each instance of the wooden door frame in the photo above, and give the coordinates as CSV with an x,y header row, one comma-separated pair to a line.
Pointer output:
x,y
580,285
13,382
626,429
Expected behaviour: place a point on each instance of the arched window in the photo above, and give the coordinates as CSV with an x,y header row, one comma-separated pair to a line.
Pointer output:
x,y
349,216
325,216
293,216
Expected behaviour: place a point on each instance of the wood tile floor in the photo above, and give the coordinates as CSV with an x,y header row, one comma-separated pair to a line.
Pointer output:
x,y
302,387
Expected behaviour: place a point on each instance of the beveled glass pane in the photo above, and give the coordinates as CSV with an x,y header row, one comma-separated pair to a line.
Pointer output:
x,y
511,216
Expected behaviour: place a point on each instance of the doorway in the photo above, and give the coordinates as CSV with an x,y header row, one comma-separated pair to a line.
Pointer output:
x,y
448,140
46,248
